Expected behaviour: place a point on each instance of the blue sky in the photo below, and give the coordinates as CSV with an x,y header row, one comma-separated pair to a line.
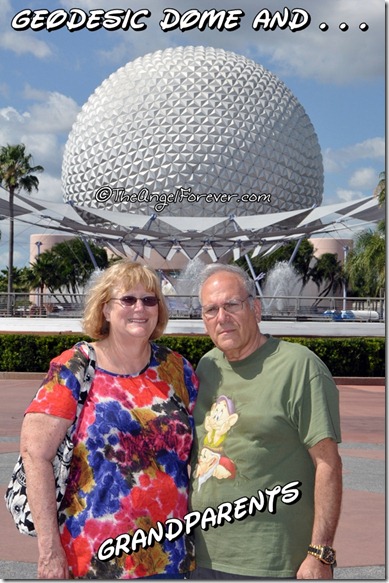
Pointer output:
x,y
338,76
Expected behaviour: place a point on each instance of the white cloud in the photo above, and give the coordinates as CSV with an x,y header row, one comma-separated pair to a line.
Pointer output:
x,y
50,111
364,178
347,173
55,113
22,43
330,162
348,195
43,127
371,149
46,150
10,117
49,188
333,56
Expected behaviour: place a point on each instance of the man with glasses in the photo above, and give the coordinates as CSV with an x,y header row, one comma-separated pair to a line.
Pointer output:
x,y
266,473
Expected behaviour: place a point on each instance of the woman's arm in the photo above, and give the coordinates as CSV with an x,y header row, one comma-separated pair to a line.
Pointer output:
x,y
40,437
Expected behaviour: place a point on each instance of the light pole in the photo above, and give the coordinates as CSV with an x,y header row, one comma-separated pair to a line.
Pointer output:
x,y
345,251
40,289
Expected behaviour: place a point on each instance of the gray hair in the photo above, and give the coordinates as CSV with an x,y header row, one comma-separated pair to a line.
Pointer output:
x,y
213,268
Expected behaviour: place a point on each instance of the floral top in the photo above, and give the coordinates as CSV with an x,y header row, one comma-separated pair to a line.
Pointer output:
x,y
129,471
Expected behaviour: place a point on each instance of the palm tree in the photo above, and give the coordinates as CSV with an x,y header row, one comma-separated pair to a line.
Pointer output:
x,y
16,174
20,280
21,286
65,269
366,263
43,273
301,263
75,265
328,272
381,189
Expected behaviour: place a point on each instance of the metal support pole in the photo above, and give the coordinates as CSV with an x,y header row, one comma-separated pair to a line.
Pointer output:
x,y
40,289
345,251
92,257
295,250
248,261
147,227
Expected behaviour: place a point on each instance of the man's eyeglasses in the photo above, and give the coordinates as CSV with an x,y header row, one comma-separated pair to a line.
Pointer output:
x,y
129,301
231,307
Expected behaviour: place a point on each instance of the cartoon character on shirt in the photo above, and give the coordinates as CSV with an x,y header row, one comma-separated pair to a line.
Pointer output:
x,y
219,421
212,461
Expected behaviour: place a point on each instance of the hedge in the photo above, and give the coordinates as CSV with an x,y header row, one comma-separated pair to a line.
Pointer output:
x,y
356,357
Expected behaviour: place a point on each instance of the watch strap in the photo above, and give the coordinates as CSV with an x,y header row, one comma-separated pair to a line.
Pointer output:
x,y
323,553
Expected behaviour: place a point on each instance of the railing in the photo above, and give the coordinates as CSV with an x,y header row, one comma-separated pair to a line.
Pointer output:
x,y
35,305
319,308
41,305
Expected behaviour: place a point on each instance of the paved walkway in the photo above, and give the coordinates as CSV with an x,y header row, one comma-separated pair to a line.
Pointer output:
x,y
360,540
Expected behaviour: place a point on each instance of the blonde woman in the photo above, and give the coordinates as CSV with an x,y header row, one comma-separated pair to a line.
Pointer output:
x,y
134,436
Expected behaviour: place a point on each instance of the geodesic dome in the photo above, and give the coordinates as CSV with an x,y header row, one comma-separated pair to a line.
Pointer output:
x,y
186,125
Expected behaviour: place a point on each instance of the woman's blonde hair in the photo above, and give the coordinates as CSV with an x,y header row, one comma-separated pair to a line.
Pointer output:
x,y
120,277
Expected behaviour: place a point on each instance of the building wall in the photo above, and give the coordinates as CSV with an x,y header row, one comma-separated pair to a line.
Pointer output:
x,y
327,245
330,245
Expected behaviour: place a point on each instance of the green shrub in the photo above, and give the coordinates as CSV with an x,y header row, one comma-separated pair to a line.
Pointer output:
x,y
357,357
349,357
192,347
30,353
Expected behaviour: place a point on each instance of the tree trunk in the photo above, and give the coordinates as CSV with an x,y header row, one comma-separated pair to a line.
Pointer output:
x,y
10,306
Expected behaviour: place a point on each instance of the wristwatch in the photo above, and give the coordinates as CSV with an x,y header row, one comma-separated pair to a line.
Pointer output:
x,y
326,555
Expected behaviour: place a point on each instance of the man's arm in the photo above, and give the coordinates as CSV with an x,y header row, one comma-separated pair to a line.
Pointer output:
x,y
328,498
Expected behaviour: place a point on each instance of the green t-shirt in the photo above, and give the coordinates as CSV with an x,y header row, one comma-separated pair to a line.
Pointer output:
x,y
255,421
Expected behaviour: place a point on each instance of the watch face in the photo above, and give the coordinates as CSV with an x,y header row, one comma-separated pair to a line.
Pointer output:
x,y
328,555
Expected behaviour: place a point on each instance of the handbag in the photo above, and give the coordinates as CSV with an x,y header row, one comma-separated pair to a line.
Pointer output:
x,y
83,368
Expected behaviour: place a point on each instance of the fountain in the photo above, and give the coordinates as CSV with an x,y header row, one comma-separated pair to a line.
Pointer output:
x,y
281,282
184,300
182,297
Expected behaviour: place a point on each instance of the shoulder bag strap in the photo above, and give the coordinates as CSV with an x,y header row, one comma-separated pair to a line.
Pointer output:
x,y
83,367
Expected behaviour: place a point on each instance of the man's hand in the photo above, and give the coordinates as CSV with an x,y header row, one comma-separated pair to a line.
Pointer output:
x,y
312,568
